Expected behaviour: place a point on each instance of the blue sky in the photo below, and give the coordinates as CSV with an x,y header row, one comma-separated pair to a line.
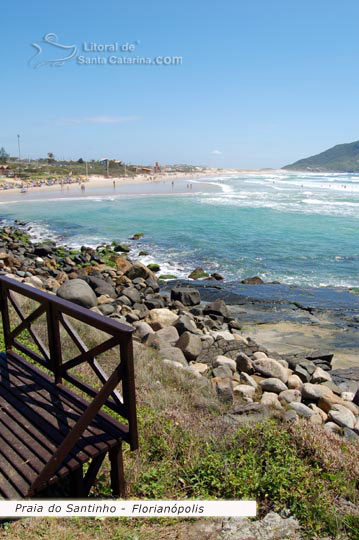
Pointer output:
x,y
262,83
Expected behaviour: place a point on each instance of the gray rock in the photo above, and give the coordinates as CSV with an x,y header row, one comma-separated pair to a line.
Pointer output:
x,y
159,318
244,363
271,368
223,334
190,345
270,399
79,292
271,527
173,354
124,300
185,324
288,396
139,270
320,376
273,385
188,296
222,372
107,309
154,341
332,427
142,329
301,409
342,416
223,360
168,334
217,308
244,390
350,435
247,379
132,294
314,391
302,373
224,389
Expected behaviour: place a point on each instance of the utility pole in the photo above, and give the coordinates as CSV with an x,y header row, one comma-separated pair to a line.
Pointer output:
x,y
107,165
18,144
87,171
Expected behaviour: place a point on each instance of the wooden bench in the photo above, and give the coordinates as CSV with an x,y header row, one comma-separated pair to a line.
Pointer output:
x,y
49,429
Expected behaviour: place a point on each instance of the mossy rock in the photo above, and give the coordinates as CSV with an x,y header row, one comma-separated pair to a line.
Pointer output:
x,y
137,236
167,276
198,273
61,252
143,253
121,247
154,267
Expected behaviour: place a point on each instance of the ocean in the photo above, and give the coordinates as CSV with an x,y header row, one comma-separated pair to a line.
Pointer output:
x,y
293,228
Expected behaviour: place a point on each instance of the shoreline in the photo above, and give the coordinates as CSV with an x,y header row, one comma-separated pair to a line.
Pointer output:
x,y
98,181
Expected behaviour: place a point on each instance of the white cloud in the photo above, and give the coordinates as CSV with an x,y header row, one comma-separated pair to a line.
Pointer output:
x,y
216,152
101,119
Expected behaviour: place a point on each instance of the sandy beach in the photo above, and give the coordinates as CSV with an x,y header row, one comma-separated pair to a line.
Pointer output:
x,y
96,182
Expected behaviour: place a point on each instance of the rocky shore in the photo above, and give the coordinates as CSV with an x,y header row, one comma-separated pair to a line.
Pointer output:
x,y
203,338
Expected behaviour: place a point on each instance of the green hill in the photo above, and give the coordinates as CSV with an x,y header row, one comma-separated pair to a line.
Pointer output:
x,y
340,158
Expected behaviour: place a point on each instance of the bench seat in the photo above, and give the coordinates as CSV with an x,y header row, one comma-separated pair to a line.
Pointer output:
x,y
35,417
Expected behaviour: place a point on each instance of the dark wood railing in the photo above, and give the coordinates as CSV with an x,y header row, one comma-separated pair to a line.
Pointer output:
x,y
57,312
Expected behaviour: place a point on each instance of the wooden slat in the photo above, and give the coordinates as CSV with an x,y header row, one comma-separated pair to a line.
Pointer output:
x,y
53,396
106,422
37,445
47,410
13,440
7,490
14,469
11,399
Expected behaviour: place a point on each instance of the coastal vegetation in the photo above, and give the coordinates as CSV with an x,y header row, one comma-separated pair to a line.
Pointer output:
x,y
339,158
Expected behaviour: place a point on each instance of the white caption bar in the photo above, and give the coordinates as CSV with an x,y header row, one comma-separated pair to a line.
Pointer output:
x,y
112,508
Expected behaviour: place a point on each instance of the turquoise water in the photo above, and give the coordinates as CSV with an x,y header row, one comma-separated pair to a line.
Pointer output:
x,y
297,229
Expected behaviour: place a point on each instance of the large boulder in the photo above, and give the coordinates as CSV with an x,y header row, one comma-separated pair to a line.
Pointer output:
x,y
190,345
79,292
122,264
185,324
342,416
271,368
217,308
301,409
142,329
173,354
186,295
315,391
273,385
169,334
159,318
132,293
139,270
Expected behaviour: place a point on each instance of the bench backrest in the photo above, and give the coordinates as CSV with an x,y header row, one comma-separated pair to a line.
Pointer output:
x,y
57,310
